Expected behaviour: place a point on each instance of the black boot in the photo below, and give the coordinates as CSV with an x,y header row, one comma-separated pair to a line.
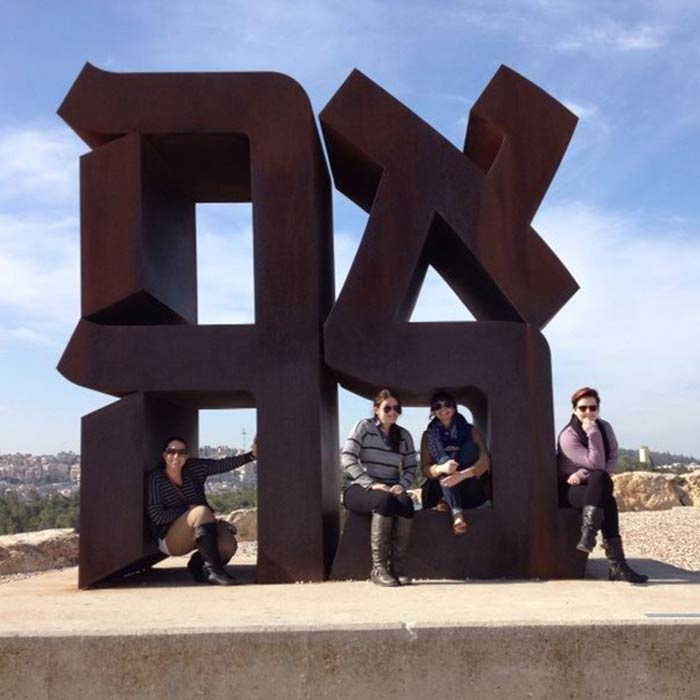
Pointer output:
x,y
619,568
399,547
380,543
196,567
592,519
206,537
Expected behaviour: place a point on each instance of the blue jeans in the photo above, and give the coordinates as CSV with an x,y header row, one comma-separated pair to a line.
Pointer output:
x,y
468,493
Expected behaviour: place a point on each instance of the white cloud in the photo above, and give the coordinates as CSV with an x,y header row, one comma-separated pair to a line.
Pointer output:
x,y
542,23
39,165
312,40
29,335
39,275
437,302
39,257
585,112
609,34
225,278
632,330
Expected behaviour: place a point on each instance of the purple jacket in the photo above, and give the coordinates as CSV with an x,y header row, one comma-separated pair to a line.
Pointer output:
x,y
573,457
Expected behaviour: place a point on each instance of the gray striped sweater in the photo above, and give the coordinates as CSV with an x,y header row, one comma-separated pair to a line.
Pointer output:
x,y
367,458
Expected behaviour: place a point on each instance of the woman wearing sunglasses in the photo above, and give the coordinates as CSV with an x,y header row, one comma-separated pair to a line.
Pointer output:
x,y
181,518
454,459
379,461
586,457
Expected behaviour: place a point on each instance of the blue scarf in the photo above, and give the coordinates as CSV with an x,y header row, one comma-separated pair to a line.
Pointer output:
x,y
455,435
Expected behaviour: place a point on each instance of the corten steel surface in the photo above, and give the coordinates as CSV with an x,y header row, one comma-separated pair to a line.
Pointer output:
x,y
469,216
160,143
459,557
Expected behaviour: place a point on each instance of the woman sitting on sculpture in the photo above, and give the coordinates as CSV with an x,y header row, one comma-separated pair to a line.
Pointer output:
x,y
454,459
379,461
181,518
586,458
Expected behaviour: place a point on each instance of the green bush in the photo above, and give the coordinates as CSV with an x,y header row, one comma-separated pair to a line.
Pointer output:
x,y
245,497
37,512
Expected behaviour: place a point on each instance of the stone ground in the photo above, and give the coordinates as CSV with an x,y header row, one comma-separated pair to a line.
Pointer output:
x,y
669,536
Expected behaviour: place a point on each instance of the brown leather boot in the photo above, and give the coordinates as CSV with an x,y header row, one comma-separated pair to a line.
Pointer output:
x,y
380,542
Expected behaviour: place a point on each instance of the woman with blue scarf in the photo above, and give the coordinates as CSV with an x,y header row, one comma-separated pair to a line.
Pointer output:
x,y
453,459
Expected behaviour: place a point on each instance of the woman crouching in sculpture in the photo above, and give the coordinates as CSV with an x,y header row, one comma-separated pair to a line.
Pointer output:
x,y
453,460
181,517
586,457
380,464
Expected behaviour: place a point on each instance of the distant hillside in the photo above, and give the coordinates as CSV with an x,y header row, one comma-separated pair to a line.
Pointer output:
x,y
629,461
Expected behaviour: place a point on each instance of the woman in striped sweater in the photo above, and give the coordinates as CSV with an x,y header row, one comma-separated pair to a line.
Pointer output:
x,y
181,518
380,465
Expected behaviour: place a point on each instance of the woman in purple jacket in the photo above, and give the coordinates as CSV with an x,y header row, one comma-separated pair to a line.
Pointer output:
x,y
586,458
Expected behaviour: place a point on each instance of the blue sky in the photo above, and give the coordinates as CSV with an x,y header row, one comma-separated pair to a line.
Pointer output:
x,y
623,213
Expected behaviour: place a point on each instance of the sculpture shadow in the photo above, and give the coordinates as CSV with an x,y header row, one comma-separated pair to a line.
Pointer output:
x,y
660,573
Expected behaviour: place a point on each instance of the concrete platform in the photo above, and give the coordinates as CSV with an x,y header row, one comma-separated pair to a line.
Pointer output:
x,y
161,636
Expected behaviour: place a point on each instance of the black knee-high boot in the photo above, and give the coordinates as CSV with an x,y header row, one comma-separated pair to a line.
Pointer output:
x,y
206,537
591,520
399,548
619,569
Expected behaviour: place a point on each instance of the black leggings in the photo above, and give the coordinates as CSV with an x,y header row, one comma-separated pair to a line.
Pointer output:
x,y
367,501
598,491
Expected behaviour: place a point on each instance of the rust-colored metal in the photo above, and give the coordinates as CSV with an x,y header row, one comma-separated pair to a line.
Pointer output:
x,y
469,216
160,143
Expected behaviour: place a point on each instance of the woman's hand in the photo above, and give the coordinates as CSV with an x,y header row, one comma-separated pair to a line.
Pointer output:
x,y
456,478
449,467
254,447
574,480
397,490
379,487
587,423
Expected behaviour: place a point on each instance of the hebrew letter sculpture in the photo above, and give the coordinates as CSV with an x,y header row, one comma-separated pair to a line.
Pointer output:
x,y
469,215
160,143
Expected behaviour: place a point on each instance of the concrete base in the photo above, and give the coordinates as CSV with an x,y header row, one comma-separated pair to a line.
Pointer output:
x,y
383,662
161,636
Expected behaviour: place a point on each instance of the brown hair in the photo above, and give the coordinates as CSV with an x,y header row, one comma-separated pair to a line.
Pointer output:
x,y
394,430
444,396
172,439
582,393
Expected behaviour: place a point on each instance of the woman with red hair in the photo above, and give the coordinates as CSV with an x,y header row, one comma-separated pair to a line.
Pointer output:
x,y
586,458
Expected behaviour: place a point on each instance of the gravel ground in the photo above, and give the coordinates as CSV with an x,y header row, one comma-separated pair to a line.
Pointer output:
x,y
668,536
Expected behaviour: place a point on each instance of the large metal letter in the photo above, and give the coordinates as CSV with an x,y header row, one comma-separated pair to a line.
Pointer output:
x,y
467,214
161,143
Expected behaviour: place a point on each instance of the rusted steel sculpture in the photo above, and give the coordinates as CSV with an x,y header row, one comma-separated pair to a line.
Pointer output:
x,y
469,216
160,143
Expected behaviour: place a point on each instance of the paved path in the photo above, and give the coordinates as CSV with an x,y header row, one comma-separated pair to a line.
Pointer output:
x,y
167,601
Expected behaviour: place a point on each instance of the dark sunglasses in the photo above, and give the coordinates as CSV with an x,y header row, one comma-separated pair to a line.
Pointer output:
x,y
389,409
175,451
586,408
441,404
